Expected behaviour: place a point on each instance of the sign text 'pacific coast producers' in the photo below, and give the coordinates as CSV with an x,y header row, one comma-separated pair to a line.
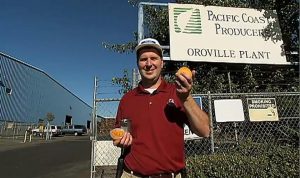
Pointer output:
x,y
223,34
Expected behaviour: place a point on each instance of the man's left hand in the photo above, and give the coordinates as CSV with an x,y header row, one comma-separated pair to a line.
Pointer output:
x,y
184,85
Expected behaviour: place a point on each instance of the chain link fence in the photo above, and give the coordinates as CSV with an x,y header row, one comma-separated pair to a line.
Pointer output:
x,y
12,130
225,135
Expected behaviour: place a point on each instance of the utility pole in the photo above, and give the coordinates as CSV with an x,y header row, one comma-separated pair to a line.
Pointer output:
x,y
136,77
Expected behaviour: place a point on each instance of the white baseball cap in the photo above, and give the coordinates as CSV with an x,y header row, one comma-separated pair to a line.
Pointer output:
x,y
149,42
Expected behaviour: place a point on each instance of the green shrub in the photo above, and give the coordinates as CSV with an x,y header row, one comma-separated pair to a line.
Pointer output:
x,y
249,160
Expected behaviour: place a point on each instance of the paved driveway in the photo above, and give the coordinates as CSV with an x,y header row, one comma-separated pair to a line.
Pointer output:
x,y
61,157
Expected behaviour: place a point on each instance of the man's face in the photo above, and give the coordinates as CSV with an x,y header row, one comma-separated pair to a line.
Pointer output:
x,y
150,64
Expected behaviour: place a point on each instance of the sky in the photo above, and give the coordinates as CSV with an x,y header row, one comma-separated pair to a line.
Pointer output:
x,y
63,38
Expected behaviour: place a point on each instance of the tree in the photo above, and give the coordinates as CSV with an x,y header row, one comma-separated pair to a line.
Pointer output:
x,y
243,78
124,82
49,117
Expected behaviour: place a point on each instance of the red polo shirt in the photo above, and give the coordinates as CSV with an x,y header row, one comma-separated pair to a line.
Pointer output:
x,y
157,128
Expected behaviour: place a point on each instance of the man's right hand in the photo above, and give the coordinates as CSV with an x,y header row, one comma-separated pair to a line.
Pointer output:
x,y
123,142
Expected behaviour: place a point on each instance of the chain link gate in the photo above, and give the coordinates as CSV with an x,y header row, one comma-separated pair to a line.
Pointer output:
x,y
224,135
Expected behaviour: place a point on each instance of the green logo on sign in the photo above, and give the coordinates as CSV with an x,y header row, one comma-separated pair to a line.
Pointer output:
x,y
190,26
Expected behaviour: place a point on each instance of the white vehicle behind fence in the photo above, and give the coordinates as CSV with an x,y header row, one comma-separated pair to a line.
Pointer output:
x,y
54,130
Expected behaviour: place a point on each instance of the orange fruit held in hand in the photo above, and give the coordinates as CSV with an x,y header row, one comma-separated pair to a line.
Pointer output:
x,y
186,71
117,133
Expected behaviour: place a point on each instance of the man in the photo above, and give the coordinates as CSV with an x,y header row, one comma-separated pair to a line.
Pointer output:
x,y
158,111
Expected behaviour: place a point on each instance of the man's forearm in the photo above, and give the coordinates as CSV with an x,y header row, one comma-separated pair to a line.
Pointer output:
x,y
198,119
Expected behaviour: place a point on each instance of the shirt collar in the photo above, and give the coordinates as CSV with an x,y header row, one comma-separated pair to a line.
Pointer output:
x,y
162,87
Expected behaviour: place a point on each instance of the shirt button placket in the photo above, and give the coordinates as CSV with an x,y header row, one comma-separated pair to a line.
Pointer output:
x,y
150,100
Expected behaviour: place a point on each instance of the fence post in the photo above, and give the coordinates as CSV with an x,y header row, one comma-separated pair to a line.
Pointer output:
x,y
14,130
211,123
1,128
94,128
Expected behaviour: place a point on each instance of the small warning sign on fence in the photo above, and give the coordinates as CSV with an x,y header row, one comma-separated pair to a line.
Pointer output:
x,y
188,134
262,109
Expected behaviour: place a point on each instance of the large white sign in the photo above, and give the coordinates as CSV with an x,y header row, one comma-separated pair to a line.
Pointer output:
x,y
229,110
221,34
